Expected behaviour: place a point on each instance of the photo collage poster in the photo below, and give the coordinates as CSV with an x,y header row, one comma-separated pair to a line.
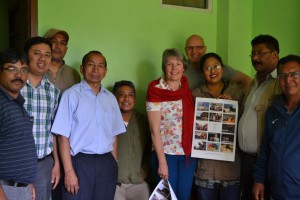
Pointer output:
x,y
215,125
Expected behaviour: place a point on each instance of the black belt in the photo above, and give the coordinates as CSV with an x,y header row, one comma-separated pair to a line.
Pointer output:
x,y
13,183
44,158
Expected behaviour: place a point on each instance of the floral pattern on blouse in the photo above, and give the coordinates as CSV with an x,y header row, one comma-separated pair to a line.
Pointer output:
x,y
171,122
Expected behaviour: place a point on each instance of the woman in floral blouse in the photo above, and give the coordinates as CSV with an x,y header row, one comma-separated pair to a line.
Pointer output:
x,y
170,110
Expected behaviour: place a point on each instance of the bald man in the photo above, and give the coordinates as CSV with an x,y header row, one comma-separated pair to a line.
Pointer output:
x,y
195,48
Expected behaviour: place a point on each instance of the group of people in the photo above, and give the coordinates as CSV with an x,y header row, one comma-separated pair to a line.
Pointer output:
x,y
67,138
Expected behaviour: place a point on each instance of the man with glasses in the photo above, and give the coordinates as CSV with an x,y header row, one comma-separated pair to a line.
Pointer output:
x,y
60,74
264,87
18,158
195,49
279,157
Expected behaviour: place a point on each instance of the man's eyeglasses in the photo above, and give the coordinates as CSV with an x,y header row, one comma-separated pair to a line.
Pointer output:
x,y
294,75
13,70
209,68
190,48
259,53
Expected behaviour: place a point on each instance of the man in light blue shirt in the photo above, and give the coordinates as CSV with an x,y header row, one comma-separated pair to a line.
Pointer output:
x,y
87,122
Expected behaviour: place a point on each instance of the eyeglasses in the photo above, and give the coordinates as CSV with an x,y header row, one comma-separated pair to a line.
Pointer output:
x,y
13,70
293,75
190,48
259,53
209,68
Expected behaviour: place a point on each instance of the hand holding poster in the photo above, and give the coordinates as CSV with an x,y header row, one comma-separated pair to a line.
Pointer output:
x,y
214,133
163,191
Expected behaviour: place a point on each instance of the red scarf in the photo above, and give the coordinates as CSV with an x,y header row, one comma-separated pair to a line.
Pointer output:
x,y
155,94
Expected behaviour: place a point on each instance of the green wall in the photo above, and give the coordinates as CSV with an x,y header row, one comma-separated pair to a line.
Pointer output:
x,y
132,34
280,19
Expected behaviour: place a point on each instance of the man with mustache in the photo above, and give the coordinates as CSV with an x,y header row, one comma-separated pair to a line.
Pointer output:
x,y
18,160
264,87
60,74
41,103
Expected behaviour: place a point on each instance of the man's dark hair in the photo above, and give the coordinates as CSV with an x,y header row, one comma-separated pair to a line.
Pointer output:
x,y
287,59
35,40
119,84
12,56
86,56
268,40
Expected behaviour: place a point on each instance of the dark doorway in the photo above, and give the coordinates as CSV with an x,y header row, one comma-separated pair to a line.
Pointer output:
x,y
20,22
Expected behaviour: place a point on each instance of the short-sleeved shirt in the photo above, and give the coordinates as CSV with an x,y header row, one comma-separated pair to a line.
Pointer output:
x,y
41,103
196,78
66,77
18,159
171,122
90,121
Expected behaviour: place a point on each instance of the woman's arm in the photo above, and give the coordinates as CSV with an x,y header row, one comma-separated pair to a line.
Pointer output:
x,y
154,118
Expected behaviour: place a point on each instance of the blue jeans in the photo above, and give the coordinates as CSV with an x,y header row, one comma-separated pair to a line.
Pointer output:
x,y
232,192
181,173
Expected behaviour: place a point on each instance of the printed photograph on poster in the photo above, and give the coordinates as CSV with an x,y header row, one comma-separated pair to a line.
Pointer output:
x,y
163,191
214,131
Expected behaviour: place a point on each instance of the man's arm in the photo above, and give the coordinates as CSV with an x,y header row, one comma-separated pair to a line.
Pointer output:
x,y
71,180
115,148
32,190
258,191
2,195
55,177
236,76
154,118
242,79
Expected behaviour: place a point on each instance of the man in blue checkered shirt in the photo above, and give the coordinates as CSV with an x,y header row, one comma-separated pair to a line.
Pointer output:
x,y
41,103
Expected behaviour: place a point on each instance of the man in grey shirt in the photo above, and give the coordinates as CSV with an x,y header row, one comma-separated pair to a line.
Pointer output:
x,y
195,48
61,75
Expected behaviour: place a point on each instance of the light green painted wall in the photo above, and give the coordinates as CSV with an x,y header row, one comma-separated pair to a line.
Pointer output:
x,y
280,19
234,31
132,34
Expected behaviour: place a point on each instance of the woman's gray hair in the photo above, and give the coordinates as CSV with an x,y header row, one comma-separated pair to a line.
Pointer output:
x,y
173,53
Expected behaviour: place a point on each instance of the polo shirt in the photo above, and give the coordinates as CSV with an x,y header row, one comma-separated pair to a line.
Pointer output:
x,y
18,159
66,77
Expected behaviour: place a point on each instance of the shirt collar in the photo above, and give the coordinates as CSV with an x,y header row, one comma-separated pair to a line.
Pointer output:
x,y
86,87
19,99
44,81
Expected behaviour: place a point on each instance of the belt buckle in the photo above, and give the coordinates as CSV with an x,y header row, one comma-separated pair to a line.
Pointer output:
x,y
21,184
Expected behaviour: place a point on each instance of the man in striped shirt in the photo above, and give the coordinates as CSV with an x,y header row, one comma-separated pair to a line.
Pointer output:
x,y
41,103
18,158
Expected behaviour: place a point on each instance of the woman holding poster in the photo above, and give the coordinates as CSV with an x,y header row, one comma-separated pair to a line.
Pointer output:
x,y
170,110
216,179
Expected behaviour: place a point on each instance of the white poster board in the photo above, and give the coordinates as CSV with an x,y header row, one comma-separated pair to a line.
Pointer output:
x,y
163,191
214,133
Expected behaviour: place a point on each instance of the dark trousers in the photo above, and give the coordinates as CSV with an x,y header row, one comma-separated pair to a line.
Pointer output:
x,y
232,192
247,165
97,177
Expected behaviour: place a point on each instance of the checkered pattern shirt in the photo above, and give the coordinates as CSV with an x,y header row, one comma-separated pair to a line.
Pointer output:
x,y
41,103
